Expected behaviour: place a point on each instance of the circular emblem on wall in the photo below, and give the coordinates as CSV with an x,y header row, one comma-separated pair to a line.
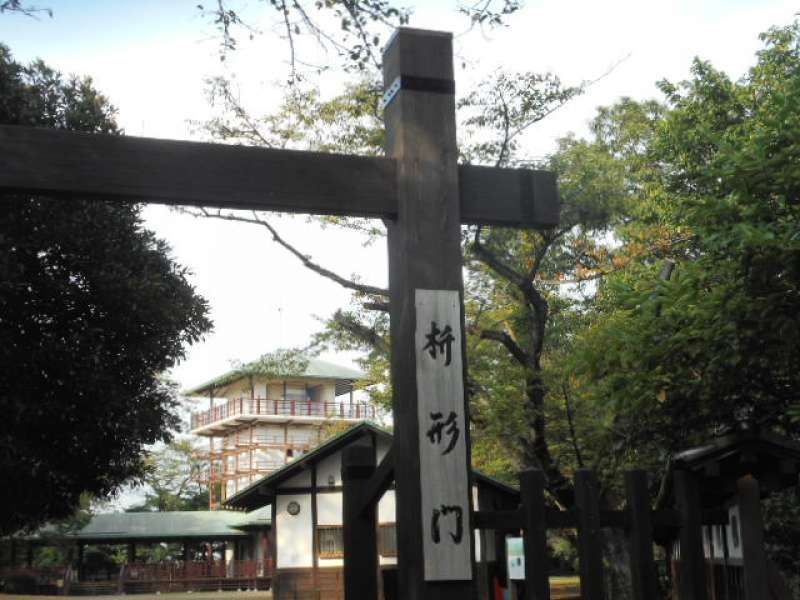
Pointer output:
x,y
293,508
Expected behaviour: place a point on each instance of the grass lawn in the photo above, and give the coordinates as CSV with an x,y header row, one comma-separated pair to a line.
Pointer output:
x,y
170,596
565,587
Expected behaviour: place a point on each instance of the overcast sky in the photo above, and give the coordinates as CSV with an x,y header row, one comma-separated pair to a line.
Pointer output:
x,y
150,57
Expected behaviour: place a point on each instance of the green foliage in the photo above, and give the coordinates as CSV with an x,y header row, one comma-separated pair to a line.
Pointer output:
x,y
57,551
782,534
500,109
92,309
273,365
172,479
672,361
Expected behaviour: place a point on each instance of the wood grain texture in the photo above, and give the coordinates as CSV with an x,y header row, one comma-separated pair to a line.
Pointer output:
x,y
756,581
424,253
191,173
590,542
360,526
640,536
537,583
508,197
139,169
381,480
444,476
692,585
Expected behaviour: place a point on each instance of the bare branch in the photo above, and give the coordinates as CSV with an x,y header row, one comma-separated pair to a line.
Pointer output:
x,y
509,343
290,38
307,262
380,306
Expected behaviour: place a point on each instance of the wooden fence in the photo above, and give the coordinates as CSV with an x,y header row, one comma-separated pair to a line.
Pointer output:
x,y
364,484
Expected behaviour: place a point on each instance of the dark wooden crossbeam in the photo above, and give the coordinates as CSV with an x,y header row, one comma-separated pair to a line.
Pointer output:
x,y
379,482
665,518
238,177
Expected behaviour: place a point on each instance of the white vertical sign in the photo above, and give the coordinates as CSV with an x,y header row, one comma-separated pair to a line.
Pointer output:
x,y
444,479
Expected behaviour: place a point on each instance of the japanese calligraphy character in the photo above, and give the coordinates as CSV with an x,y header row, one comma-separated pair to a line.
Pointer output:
x,y
435,432
443,511
440,340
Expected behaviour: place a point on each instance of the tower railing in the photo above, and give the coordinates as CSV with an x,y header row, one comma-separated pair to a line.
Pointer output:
x,y
283,408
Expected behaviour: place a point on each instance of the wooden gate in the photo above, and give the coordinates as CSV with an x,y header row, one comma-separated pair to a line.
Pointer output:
x,y
364,485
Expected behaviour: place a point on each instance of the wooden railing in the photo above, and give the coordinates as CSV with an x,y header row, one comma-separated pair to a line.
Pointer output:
x,y
269,407
178,570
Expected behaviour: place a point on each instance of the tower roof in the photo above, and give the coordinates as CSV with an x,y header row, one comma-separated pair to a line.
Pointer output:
x,y
315,369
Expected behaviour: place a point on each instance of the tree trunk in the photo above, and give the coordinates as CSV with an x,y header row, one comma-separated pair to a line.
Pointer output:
x,y
617,560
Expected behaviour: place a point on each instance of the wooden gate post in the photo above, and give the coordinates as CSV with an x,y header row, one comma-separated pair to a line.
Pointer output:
x,y
754,559
640,536
359,531
692,584
590,543
435,550
537,584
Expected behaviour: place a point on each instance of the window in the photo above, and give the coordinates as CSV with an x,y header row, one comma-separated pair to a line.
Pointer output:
x,y
330,543
735,530
387,539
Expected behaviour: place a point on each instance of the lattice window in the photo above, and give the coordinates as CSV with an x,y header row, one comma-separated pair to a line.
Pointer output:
x,y
387,539
330,541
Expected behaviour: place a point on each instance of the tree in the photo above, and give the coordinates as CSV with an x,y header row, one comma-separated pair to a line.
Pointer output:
x,y
172,479
713,345
503,265
353,30
583,350
92,310
696,332
17,6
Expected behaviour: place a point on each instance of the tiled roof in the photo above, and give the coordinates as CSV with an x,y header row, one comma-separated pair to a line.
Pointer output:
x,y
201,524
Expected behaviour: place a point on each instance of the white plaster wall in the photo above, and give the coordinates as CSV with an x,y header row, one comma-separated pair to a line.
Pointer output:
x,y
295,391
386,508
325,393
734,520
302,479
302,434
294,541
237,389
329,512
272,455
386,514
476,539
329,508
330,465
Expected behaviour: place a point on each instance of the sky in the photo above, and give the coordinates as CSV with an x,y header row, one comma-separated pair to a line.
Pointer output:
x,y
152,57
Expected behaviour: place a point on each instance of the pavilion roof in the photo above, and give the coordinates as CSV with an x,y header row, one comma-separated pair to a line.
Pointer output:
x,y
204,525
